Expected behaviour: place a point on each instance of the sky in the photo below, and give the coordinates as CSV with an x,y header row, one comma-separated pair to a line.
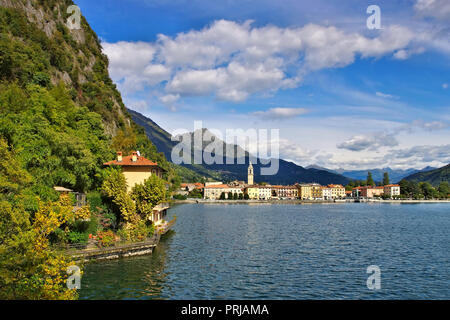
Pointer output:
x,y
342,95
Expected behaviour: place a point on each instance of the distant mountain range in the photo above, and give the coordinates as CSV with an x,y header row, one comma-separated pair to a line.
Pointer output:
x,y
395,175
434,177
288,173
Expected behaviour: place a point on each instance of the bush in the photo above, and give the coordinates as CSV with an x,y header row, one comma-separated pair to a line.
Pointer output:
x,y
179,196
77,237
106,238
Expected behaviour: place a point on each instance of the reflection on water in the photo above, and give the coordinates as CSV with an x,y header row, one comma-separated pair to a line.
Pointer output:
x,y
287,252
130,278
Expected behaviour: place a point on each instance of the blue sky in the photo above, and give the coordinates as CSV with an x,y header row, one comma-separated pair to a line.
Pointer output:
x,y
342,95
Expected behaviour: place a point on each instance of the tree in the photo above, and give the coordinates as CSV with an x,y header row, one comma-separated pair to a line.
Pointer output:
x,y
241,196
246,196
222,196
230,195
148,194
235,196
115,188
444,189
370,181
385,179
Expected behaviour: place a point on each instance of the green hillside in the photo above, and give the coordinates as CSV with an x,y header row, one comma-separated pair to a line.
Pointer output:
x,y
59,109
434,177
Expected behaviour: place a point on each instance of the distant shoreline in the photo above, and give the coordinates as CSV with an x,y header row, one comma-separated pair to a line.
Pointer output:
x,y
203,201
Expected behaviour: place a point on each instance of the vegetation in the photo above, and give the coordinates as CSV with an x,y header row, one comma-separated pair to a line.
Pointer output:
x,y
434,177
61,118
424,190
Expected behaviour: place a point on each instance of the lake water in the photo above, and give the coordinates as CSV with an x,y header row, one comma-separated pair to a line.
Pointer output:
x,y
263,251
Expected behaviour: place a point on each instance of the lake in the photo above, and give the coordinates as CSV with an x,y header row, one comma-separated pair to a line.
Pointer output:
x,y
277,251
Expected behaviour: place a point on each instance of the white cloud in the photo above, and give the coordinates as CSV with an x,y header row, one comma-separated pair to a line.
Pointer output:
x,y
369,142
444,85
439,9
232,61
384,95
280,113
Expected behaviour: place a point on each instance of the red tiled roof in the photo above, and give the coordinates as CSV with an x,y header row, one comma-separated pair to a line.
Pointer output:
x,y
392,185
217,186
128,161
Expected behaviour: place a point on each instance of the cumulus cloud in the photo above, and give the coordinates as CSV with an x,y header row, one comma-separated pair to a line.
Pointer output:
x,y
369,142
231,61
444,85
280,113
424,154
439,9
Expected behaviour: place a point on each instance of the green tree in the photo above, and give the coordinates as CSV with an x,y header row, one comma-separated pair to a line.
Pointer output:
x,y
370,181
222,196
230,196
235,196
241,196
444,189
246,196
385,179
148,194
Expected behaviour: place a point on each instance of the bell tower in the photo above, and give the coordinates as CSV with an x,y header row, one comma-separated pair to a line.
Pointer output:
x,y
250,174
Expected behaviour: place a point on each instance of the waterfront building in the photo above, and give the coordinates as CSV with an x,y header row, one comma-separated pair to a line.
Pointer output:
x,y
316,192
250,175
253,192
337,191
326,193
214,191
371,191
259,192
391,190
285,192
136,168
305,191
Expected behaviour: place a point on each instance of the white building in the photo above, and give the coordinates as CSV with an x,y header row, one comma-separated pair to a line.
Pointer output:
x,y
392,190
214,191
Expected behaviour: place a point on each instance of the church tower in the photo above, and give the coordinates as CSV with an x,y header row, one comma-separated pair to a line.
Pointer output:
x,y
250,174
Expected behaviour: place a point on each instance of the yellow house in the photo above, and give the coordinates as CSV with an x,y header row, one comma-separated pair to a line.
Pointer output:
x,y
305,191
136,168
253,192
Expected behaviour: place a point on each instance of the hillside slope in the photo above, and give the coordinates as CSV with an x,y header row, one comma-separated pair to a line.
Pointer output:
x,y
58,106
288,173
434,177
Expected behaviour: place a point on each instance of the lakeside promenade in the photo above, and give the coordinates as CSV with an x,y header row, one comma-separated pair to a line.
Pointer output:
x,y
298,201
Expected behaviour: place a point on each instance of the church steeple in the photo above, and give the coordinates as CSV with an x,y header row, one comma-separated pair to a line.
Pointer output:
x,y
250,174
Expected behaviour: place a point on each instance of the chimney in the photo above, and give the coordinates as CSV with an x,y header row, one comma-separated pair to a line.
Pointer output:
x,y
119,156
134,157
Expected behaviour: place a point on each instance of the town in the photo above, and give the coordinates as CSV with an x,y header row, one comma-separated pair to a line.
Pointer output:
x,y
240,190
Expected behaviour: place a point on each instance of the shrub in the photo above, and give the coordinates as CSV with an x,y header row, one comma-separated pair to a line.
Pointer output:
x,y
179,196
77,237
106,238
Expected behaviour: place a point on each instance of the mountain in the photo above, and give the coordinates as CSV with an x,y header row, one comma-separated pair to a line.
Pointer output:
x,y
434,177
288,173
395,175
60,112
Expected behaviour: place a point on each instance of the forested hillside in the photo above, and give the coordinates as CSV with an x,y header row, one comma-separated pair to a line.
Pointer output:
x,y
61,118
59,109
